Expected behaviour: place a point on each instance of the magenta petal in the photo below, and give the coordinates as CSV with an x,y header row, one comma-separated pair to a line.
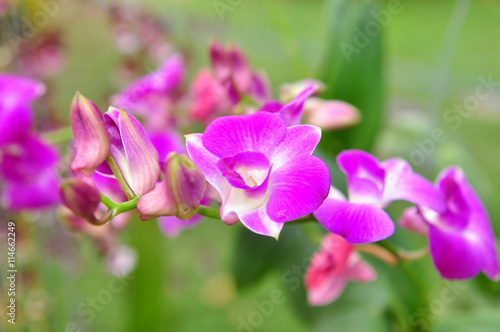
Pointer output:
x,y
142,94
454,256
298,140
260,132
356,222
207,163
258,221
461,239
220,61
259,88
271,107
242,74
292,112
365,177
25,160
38,194
402,183
16,95
298,188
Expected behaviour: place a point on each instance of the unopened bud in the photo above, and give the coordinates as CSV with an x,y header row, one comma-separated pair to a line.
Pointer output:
x,y
180,192
80,197
91,137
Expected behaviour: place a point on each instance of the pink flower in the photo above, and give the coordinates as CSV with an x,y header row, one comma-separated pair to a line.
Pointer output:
x,y
332,268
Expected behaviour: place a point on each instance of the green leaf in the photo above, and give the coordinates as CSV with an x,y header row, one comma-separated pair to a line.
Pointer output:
x,y
353,71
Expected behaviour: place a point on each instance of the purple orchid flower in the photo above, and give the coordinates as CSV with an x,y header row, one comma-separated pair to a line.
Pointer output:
x,y
372,185
461,238
150,95
16,115
263,171
28,164
28,169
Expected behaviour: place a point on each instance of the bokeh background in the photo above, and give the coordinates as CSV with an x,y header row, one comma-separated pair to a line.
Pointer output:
x,y
406,79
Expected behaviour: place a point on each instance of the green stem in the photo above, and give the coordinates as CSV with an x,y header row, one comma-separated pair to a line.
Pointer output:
x,y
107,201
59,135
125,206
209,212
119,177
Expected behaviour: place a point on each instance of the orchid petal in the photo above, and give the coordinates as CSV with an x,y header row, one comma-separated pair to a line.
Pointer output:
x,y
356,222
365,177
259,132
298,188
258,221
402,183
297,141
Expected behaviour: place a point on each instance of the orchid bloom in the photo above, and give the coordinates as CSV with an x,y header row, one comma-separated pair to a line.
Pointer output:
x,y
461,239
372,185
150,95
263,171
332,268
16,115
28,169
28,164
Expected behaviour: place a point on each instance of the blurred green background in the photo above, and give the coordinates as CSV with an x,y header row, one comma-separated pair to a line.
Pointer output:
x,y
427,58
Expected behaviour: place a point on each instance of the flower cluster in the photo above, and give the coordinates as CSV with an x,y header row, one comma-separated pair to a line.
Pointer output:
x,y
253,162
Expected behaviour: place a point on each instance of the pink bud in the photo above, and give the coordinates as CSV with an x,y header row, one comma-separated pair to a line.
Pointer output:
x,y
80,197
330,114
91,137
332,268
180,192
131,148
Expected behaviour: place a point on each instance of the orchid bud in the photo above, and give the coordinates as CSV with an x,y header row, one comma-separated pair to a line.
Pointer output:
x,y
132,150
180,192
289,91
330,114
91,137
80,197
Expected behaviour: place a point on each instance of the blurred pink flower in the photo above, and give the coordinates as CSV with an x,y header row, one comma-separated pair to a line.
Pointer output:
x,y
332,267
